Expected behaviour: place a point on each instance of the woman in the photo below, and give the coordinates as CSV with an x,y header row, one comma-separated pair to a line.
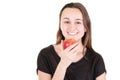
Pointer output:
x,y
78,61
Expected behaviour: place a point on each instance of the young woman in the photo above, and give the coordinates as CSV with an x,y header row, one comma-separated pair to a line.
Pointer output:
x,y
78,61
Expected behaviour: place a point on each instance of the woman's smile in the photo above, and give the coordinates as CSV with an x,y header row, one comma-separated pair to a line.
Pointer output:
x,y
72,33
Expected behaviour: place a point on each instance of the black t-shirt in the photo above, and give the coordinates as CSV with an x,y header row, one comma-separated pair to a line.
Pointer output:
x,y
88,68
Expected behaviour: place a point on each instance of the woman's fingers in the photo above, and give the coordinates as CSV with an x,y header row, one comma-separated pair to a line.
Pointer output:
x,y
77,49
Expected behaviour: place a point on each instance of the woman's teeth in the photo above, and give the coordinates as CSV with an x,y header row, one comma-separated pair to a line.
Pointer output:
x,y
72,33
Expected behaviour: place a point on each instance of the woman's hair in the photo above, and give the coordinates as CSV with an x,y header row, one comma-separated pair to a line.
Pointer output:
x,y
86,39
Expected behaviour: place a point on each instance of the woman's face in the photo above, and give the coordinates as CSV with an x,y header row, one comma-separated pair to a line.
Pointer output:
x,y
71,24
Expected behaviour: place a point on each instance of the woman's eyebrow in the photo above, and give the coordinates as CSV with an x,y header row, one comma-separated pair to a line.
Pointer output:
x,y
79,19
66,18
75,19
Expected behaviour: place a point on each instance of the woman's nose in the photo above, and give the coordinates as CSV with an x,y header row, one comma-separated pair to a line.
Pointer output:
x,y
72,27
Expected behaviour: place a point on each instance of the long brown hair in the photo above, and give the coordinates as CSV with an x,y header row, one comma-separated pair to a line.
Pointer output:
x,y
86,39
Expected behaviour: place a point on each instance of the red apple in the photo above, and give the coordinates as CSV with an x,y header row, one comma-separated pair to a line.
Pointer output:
x,y
67,43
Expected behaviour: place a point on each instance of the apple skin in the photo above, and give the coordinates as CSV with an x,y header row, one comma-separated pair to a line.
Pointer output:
x,y
67,43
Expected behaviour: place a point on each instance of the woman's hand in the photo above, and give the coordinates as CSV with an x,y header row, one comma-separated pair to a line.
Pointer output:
x,y
71,54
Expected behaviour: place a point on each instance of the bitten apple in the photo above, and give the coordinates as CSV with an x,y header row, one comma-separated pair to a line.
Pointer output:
x,y
67,43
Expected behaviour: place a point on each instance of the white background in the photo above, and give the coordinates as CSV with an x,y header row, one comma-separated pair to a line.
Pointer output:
x,y
26,26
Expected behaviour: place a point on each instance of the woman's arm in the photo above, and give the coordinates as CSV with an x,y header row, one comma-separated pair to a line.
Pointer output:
x,y
101,77
59,73
43,76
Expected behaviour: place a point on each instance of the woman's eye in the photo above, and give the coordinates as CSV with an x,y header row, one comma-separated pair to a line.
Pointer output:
x,y
78,22
67,22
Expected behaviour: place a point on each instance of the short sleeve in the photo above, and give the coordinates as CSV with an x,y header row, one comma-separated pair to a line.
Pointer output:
x,y
100,66
42,62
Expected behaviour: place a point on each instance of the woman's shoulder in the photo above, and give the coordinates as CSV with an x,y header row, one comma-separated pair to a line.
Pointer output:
x,y
93,52
97,62
46,50
93,55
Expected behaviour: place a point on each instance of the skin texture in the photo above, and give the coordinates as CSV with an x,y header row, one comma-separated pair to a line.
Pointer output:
x,y
71,25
